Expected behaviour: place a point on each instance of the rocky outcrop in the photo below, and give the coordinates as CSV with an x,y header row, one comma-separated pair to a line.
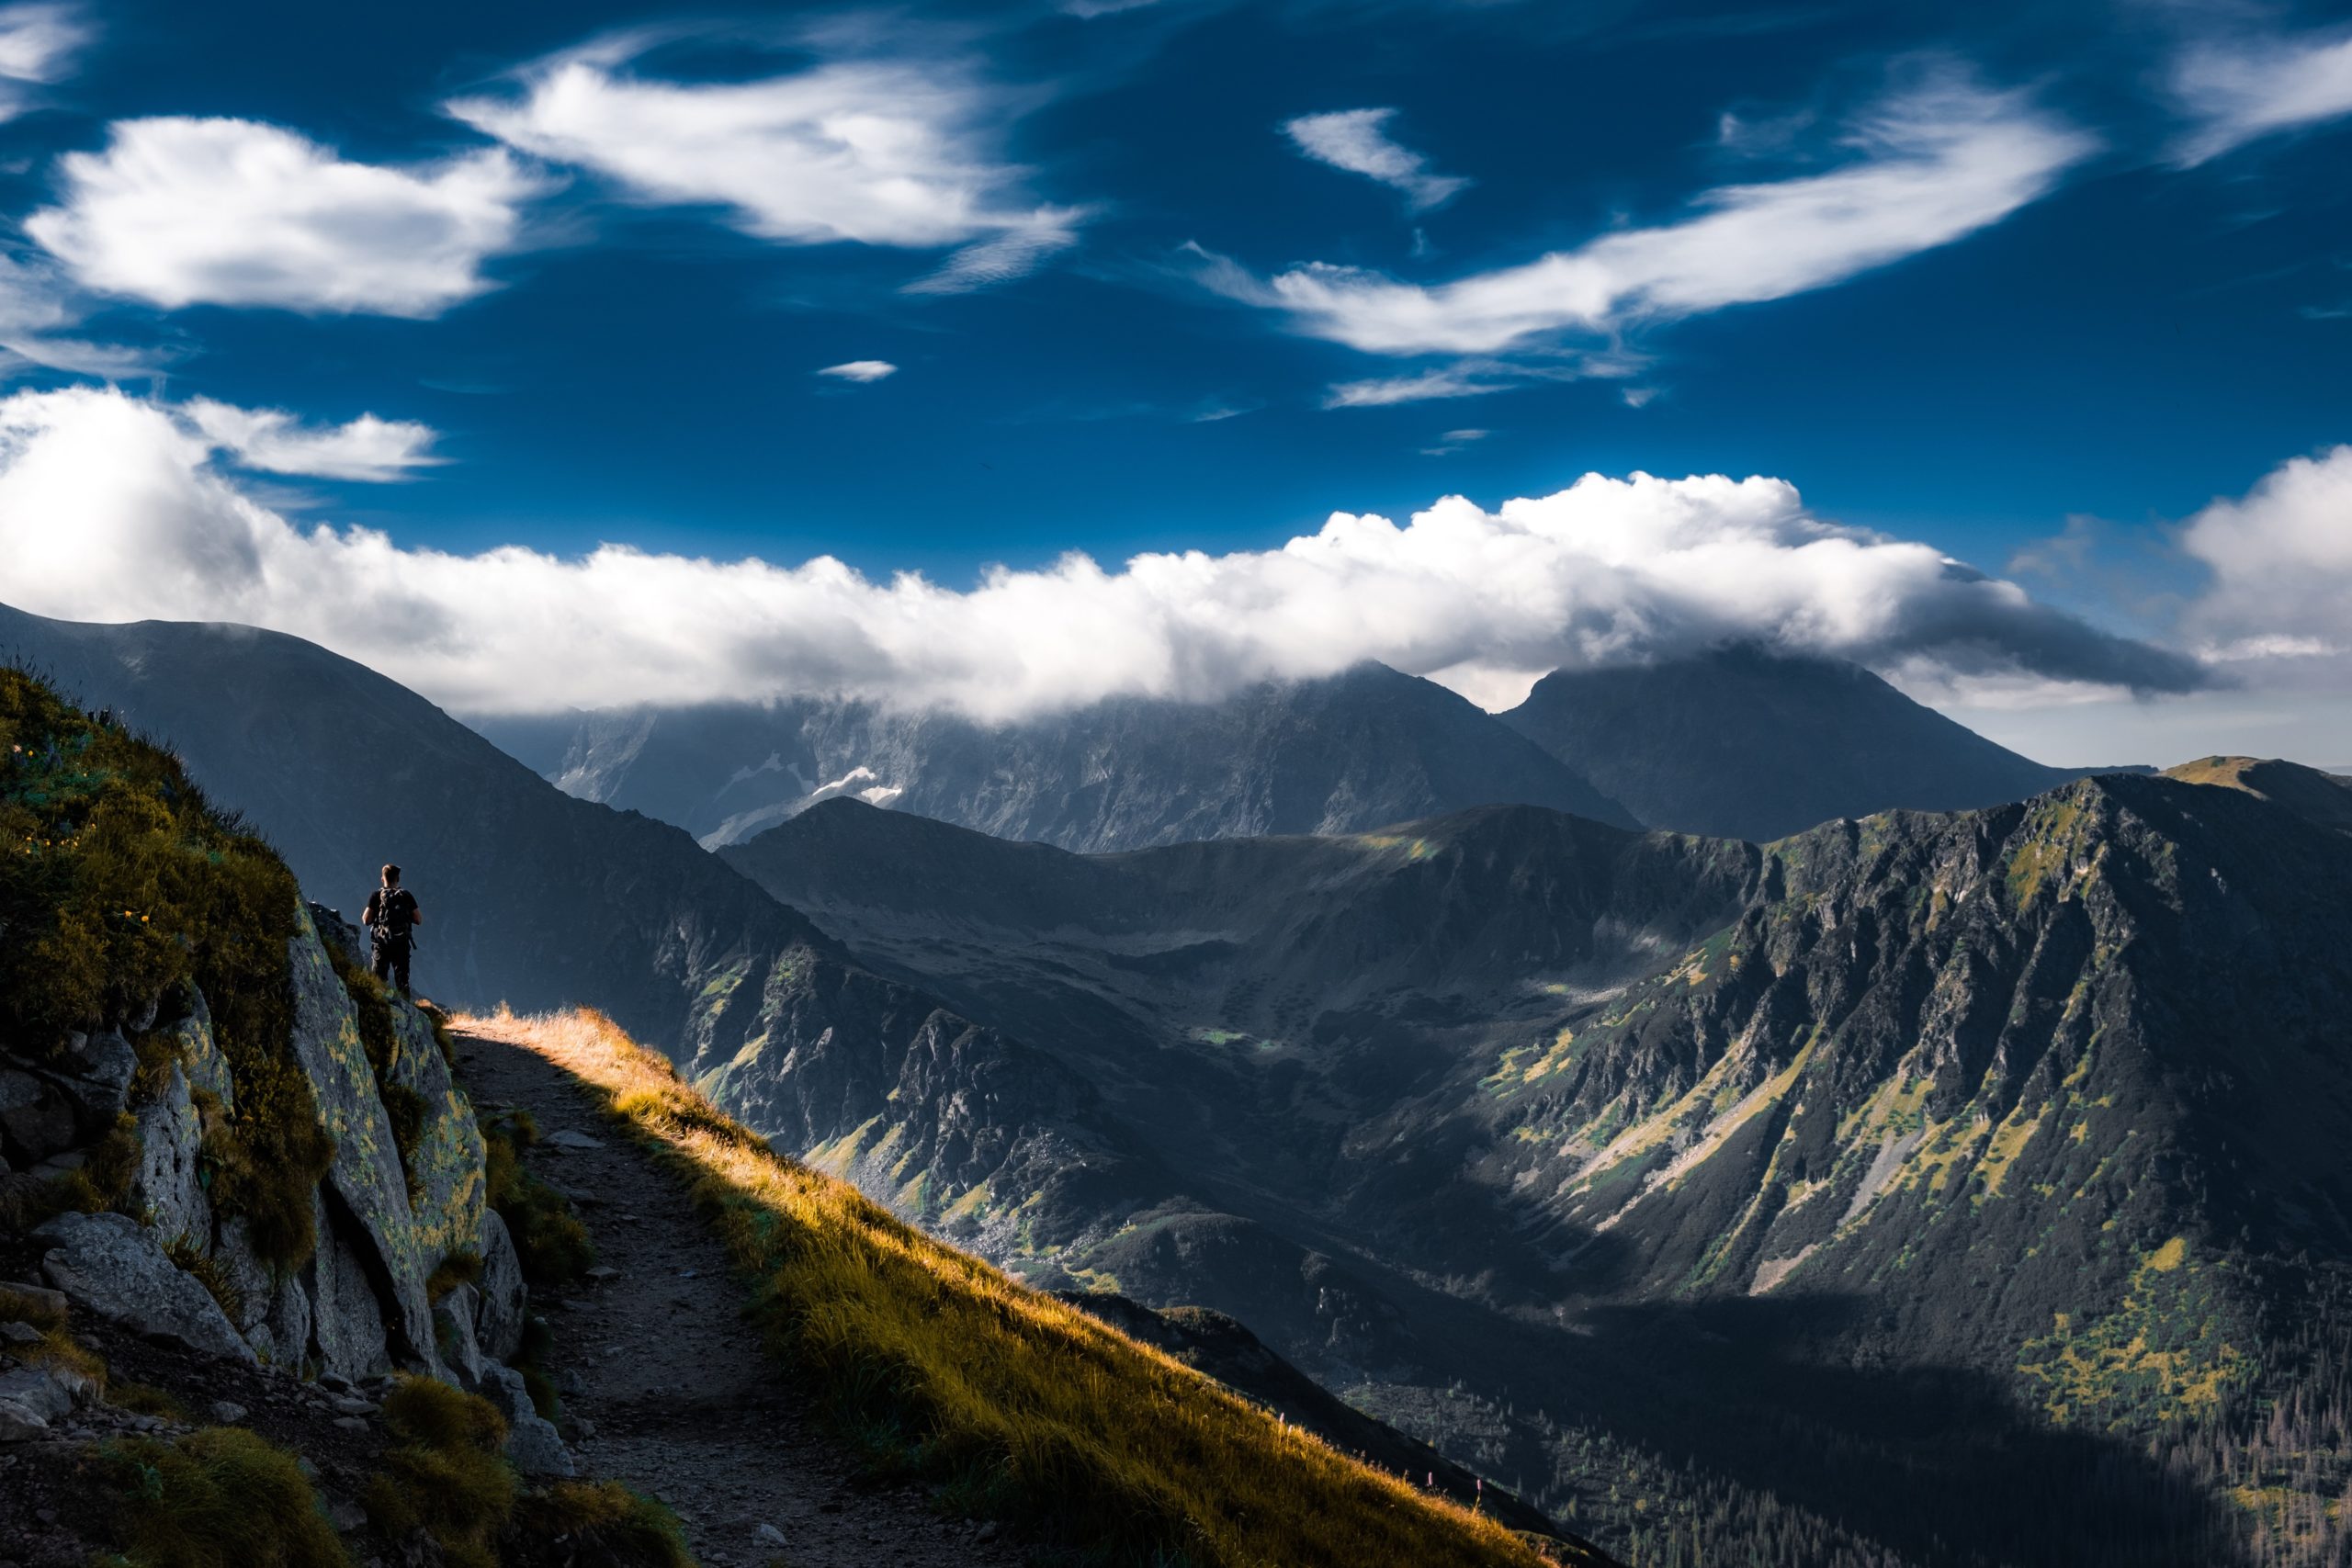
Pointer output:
x,y
30,1399
400,1197
116,1267
498,1321
532,1444
366,1192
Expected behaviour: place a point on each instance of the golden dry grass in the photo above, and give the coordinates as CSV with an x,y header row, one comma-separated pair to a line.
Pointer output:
x,y
1025,1408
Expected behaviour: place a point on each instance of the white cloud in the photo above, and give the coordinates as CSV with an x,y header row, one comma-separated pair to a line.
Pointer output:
x,y
2240,89
1447,381
1016,253
36,307
1358,142
861,370
38,43
2282,563
1929,166
111,509
180,211
1453,441
276,442
878,152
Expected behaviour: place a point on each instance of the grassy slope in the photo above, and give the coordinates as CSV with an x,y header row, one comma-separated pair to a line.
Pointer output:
x,y
1023,1406
2324,798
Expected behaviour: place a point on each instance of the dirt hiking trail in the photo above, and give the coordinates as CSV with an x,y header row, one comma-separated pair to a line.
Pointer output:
x,y
675,1394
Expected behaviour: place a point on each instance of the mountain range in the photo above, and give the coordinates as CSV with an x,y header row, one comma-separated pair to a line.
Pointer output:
x,y
1918,1188
1899,1138
1739,742
1354,751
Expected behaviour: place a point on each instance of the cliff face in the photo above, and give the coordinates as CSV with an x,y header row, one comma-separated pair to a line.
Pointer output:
x,y
216,1129
392,1205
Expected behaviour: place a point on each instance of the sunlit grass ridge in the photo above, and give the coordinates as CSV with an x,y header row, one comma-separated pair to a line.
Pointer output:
x,y
1023,1406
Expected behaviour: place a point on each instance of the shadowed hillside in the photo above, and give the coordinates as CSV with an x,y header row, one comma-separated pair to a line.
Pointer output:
x,y
1905,1137
1741,743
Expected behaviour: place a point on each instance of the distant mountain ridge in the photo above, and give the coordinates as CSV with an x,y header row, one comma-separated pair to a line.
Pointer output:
x,y
1349,751
1740,742
2321,797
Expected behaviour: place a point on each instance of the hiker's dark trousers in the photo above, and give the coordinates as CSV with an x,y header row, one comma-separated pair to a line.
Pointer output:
x,y
391,961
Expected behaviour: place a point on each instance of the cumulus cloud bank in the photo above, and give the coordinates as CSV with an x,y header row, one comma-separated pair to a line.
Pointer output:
x,y
182,212
112,509
877,153
1927,167
2282,559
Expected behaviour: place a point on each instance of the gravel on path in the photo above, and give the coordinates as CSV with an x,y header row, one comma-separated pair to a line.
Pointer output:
x,y
672,1386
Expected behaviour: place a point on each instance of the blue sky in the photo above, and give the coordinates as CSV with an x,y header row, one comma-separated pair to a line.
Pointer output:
x,y
1183,275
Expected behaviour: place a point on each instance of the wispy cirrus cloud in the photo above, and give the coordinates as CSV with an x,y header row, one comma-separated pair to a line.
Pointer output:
x,y
37,44
1453,441
1358,142
2240,89
872,151
1926,166
1606,570
1422,386
39,309
181,211
276,442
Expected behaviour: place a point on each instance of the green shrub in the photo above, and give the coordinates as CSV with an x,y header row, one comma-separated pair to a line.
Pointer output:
x,y
67,1357
457,1269
22,1306
442,1038
448,1477
550,1240
218,1498
146,1399
208,1271
603,1522
119,884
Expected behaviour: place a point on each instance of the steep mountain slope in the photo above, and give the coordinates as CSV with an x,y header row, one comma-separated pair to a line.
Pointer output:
x,y
1905,1137
2324,798
1741,743
232,1163
538,899
1352,751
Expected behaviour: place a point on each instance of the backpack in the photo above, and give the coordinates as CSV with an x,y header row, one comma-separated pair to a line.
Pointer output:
x,y
392,907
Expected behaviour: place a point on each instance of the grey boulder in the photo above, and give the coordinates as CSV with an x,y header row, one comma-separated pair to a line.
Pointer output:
x,y
115,1267
498,1317
30,1398
168,1187
533,1445
453,1336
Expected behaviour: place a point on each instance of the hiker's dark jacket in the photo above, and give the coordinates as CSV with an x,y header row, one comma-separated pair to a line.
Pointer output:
x,y
391,915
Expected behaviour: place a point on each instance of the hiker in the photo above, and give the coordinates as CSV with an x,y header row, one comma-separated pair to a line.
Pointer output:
x,y
391,916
